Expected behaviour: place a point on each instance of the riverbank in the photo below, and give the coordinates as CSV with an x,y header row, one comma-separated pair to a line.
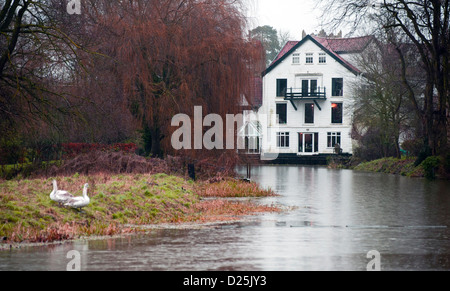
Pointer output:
x,y
430,168
120,204
403,167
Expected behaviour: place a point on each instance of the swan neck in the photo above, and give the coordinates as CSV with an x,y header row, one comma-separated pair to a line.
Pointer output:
x,y
85,193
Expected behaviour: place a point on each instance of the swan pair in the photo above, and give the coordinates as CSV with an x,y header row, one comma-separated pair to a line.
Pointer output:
x,y
67,199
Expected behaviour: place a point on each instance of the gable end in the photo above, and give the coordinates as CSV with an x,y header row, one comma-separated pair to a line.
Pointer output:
x,y
299,44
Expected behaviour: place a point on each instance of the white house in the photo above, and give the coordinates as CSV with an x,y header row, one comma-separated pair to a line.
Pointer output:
x,y
307,97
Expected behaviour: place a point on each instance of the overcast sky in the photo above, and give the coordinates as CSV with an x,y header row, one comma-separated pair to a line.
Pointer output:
x,y
291,16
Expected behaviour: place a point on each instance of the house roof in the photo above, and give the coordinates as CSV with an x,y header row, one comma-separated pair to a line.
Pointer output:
x,y
345,45
333,46
287,47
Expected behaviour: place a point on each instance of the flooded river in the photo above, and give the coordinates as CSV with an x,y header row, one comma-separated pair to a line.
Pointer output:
x,y
337,218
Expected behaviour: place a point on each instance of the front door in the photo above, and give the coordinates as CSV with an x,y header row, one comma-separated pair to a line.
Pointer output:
x,y
308,143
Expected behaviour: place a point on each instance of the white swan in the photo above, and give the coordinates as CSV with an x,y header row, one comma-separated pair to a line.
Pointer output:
x,y
79,202
59,196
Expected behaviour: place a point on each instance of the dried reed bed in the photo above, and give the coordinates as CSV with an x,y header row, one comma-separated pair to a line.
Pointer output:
x,y
113,163
227,187
100,162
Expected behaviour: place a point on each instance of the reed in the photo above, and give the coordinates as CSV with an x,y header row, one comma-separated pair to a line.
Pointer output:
x,y
233,188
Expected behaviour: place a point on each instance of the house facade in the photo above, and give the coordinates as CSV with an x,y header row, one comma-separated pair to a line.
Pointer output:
x,y
307,97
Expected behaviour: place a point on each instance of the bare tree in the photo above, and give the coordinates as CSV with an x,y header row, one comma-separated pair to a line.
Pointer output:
x,y
37,62
382,113
424,24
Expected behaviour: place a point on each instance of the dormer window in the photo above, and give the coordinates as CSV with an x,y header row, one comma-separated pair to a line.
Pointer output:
x,y
310,58
296,59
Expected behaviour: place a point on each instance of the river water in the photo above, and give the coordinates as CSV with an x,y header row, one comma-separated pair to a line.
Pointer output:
x,y
335,218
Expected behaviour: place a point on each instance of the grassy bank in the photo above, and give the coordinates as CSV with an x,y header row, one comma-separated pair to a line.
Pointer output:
x,y
117,201
431,168
404,167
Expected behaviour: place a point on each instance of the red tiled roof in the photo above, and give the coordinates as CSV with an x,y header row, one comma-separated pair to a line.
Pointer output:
x,y
287,47
341,44
345,45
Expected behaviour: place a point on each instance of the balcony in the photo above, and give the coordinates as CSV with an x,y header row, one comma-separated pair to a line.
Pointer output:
x,y
313,94
306,93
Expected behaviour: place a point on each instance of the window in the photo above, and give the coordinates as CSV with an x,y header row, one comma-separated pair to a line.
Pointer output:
x,y
283,139
322,58
337,87
252,137
310,58
252,144
336,113
313,87
281,87
309,88
305,88
282,113
333,139
296,59
309,113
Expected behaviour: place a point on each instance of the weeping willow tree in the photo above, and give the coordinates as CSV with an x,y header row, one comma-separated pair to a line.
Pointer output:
x,y
121,66
172,55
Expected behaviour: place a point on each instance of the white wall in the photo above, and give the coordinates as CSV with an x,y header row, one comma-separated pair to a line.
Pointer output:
x,y
295,119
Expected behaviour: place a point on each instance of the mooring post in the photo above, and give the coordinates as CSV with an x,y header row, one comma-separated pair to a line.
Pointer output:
x,y
191,171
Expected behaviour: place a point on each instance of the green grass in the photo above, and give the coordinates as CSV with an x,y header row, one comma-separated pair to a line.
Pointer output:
x,y
28,215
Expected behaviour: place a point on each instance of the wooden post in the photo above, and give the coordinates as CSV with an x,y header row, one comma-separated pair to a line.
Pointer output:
x,y
191,171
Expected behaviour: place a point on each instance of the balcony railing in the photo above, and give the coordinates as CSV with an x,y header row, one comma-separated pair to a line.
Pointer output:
x,y
306,93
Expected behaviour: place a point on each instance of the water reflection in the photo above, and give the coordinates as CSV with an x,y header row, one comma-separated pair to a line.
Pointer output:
x,y
339,216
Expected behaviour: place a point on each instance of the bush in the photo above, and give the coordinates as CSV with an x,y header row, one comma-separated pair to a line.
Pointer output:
x,y
11,151
430,165
413,147
423,155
